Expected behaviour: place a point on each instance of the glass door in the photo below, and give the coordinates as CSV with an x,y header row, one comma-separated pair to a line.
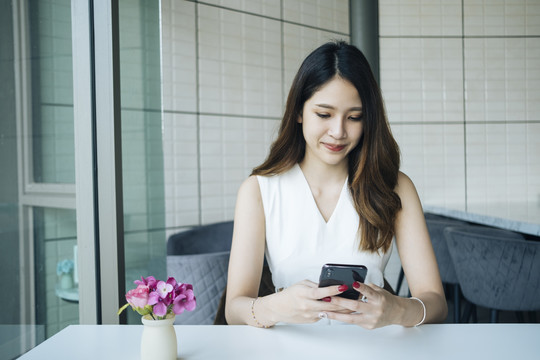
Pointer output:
x,y
142,145
37,186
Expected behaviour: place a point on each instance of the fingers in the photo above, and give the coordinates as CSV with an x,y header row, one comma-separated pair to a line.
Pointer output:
x,y
308,283
319,293
325,293
371,312
369,295
312,290
366,291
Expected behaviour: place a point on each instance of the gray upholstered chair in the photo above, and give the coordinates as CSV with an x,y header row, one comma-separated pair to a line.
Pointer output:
x,y
497,269
435,225
444,261
427,215
200,256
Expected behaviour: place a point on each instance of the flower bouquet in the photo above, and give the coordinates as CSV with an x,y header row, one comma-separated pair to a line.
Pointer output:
x,y
64,270
159,302
64,267
159,298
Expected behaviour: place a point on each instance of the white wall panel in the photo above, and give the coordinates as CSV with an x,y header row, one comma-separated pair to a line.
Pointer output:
x,y
223,65
465,107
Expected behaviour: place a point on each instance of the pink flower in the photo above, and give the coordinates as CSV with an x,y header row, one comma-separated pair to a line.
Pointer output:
x,y
138,297
185,299
159,298
149,281
160,309
163,289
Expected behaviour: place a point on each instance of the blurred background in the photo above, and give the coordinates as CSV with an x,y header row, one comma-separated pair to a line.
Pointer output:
x,y
202,88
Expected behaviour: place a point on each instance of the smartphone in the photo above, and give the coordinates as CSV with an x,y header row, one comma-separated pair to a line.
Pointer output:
x,y
339,274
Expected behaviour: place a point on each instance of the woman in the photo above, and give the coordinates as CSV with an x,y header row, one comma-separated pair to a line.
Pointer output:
x,y
331,191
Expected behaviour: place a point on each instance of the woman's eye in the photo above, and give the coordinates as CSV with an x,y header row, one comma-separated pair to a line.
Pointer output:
x,y
357,117
323,116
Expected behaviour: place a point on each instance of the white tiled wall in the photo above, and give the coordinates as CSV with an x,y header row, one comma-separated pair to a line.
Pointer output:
x,y
180,144
502,80
179,56
53,128
239,63
332,15
422,79
433,156
419,17
267,8
463,99
227,67
502,17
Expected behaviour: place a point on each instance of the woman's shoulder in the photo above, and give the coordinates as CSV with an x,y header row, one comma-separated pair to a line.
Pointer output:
x,y
250,185
249,193
405,188
404,179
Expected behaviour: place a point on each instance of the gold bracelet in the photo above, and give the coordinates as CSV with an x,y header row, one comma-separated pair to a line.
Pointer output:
x,y
253,314
423,307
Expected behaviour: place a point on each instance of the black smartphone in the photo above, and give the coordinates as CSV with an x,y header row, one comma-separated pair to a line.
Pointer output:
x,y
339,274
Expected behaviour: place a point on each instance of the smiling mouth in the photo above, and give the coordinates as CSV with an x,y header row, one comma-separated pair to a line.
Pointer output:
x,y
335,148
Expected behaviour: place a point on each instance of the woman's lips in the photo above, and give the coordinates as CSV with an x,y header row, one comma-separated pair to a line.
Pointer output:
x,y
335,148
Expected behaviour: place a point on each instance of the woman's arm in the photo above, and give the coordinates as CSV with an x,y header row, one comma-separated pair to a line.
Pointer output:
x,y
247,254
416,253
420,267
297,304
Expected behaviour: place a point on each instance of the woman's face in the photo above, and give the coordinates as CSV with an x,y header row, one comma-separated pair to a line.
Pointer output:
x,y
332,122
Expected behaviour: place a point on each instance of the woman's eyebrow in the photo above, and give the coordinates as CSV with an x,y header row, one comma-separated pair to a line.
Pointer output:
x,y
326,106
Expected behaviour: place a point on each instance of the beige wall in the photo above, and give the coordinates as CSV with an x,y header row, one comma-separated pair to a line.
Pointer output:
x,y
461,82
227,67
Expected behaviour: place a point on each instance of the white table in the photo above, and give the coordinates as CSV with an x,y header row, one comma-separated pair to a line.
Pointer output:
x,y
445,341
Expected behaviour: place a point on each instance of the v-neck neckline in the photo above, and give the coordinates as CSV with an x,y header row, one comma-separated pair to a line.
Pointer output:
x,y
336,207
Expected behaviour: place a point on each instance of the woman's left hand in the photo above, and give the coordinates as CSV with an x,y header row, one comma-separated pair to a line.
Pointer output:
x,y
375,307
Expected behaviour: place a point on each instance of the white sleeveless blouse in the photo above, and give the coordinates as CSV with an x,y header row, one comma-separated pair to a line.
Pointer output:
x,y
298,239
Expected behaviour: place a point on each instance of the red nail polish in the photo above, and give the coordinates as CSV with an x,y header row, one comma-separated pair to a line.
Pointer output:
x,y
327,299
356,285
342,287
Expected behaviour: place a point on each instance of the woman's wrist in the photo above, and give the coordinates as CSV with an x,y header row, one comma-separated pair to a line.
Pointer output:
x,y
258,314
410,312
254,316
423,310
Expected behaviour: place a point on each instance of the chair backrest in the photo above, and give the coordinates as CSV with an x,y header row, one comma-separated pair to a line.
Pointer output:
x,y
436,227
496,269
200,256
210,238
208,275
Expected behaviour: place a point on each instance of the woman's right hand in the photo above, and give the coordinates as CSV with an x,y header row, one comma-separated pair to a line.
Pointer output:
x,y
301,303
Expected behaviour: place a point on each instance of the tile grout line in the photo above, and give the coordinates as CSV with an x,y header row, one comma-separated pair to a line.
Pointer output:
x,y
464,98
198,113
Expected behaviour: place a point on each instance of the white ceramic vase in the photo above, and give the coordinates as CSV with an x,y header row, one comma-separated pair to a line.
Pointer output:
x,y
66,281
158,339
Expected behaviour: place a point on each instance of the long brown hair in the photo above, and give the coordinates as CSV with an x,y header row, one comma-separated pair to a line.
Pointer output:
x,y
373,164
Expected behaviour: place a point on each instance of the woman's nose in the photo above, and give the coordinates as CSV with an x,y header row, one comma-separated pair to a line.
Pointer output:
x,y
337,128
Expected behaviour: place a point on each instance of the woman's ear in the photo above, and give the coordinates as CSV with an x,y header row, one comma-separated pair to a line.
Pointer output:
x,y
299,120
